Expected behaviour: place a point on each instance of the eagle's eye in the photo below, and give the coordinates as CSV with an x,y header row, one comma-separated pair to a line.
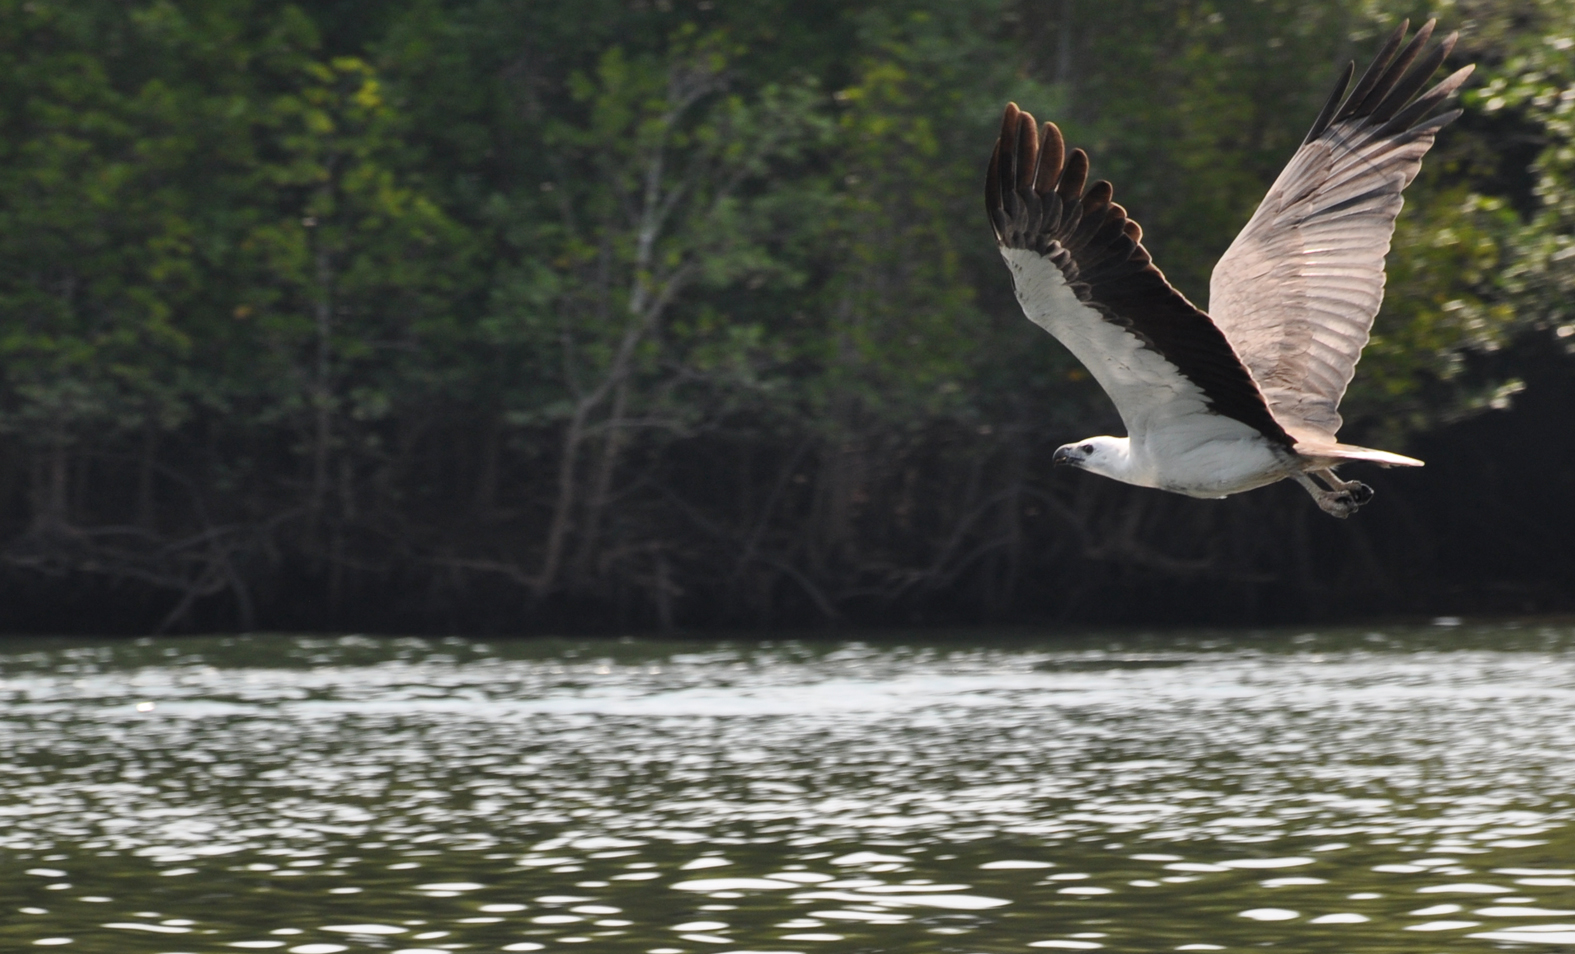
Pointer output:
x,y
1087,448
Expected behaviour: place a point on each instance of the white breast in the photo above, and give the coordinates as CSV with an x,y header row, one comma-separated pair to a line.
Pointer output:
x,y
1199,460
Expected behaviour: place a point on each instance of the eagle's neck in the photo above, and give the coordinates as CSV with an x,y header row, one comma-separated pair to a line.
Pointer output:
x,y
1116,460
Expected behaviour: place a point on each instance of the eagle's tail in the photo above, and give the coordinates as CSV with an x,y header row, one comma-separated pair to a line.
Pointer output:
x,y
1334,452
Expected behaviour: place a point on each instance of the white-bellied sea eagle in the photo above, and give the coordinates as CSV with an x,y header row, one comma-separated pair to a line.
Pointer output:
x,y
1247,394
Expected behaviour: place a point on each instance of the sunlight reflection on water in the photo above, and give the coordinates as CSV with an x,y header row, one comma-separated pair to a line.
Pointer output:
x,y
1343,791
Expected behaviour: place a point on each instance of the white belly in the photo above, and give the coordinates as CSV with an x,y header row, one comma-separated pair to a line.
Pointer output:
x,y
1213,468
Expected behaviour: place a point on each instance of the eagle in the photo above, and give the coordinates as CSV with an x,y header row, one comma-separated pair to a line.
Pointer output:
x,y
1220,402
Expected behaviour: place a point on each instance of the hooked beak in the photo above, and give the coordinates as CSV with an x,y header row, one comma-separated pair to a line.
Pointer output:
x,y
1062,456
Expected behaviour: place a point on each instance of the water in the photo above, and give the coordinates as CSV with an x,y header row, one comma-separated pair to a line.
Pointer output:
x,y
1405,791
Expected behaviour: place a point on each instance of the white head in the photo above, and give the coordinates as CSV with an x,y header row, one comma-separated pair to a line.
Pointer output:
x,y
1107,456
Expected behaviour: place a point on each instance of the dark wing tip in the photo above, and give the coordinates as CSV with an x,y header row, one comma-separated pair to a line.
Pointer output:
x,y
1033,187
1407,86
1386,94
1027,150
992,194
1331,104
1070,186
1375,69
1009,121
1391,74
1037,191
1052,156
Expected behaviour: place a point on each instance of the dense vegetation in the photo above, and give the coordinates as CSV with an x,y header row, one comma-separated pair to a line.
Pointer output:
x,y
480,314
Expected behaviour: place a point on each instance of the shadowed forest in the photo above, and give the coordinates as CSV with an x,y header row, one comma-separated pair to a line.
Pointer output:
x,y
488,316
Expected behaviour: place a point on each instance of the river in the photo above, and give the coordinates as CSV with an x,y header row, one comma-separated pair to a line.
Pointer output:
x,y
1398,789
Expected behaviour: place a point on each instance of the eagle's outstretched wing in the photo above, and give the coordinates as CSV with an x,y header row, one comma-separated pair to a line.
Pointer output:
x,y
1297,291
1082,274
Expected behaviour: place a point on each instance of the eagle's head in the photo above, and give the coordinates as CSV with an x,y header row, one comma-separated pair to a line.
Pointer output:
x,y
1101,455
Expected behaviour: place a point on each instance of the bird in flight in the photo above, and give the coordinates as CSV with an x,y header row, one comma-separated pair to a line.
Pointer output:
x,y
1247,394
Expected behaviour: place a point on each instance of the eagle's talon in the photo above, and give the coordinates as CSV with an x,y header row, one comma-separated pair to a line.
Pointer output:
x,y
1340,501
1340,504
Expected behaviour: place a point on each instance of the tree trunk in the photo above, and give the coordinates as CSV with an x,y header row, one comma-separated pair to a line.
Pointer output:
x,y
558,529
145,472
322,397
601,487
485,499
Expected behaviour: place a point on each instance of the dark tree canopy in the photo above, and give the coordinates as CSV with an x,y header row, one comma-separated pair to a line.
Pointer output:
x,y
500,316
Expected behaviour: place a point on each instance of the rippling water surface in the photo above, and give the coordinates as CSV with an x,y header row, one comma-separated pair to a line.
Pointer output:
x,y
1410,790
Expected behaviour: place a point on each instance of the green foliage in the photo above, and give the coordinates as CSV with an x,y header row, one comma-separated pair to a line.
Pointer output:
x,y
1479,254
894,339
664,196
577,296
1534,86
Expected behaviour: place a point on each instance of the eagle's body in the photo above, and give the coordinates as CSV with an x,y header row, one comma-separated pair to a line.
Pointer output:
x,y
1216,405
1174,443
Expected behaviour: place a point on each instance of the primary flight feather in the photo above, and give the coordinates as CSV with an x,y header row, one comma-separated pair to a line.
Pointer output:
x,y
1248,394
